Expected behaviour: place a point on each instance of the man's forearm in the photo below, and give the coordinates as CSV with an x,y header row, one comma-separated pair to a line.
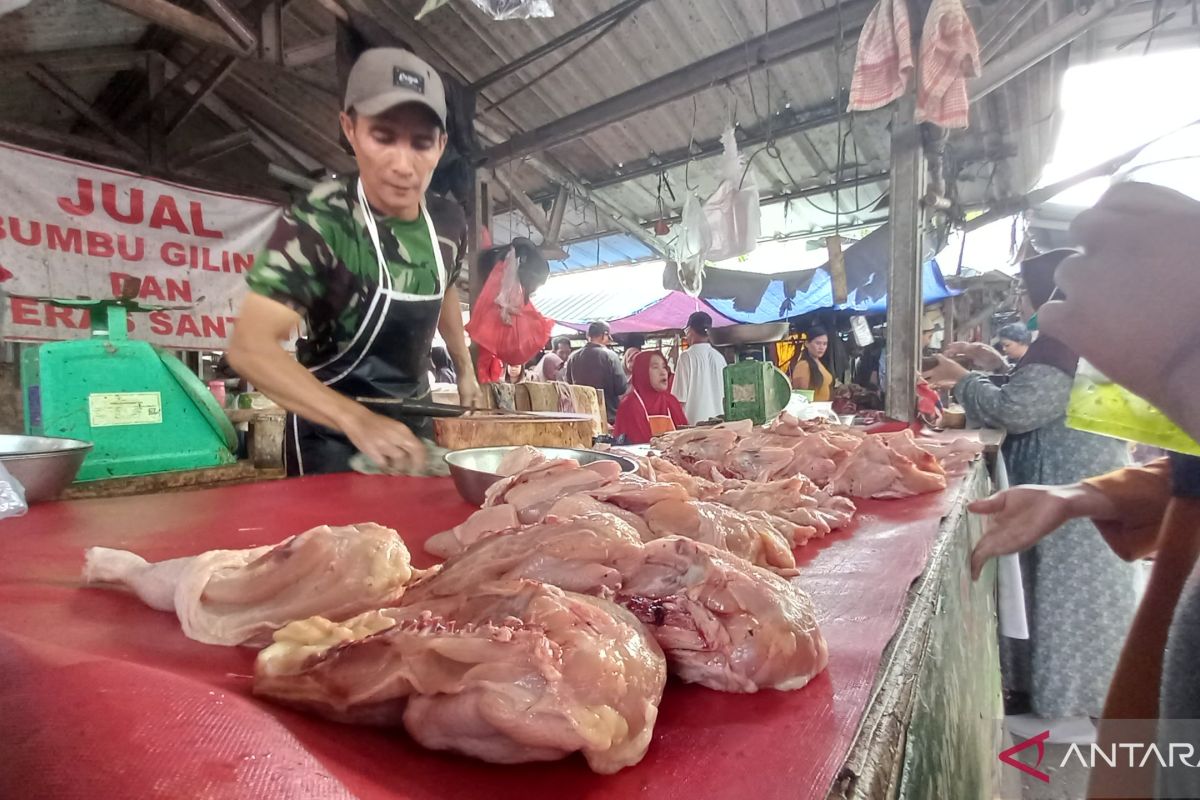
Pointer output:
x,y
279,376
450,326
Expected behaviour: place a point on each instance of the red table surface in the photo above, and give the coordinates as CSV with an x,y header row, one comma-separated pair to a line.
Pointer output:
x,y
102,697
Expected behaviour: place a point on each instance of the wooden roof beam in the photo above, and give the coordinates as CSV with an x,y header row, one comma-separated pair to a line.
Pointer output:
x,y
206,87
55,85
181,21
56,141
214,148
81,59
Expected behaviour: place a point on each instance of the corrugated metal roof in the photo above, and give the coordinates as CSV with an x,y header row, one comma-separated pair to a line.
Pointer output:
x,y
1000,156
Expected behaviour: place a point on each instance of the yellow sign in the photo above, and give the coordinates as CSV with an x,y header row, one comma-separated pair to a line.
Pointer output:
x,y
124,408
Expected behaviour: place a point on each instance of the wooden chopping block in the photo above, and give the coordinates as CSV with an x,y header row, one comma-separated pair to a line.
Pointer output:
x,y
499,430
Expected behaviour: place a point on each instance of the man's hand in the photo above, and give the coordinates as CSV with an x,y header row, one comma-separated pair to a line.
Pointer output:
x,y
981,355
469,393
390,444
1020,517
946,374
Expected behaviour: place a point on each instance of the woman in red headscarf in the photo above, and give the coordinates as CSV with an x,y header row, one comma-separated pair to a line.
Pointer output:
x,y
649,409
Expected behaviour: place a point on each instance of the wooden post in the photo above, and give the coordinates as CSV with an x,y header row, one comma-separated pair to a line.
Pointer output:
x,y
479,218
155,82
270,36
904,272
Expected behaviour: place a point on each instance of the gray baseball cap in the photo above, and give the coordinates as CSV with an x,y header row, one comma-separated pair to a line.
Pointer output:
x,y
384,77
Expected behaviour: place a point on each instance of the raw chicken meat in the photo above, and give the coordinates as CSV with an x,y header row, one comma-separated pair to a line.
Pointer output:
x,y
878,470
513,671
955,455
638,494
590,553
235,597
533,492
484,522
688,446
755,462
579,505
746,535
519,459
723,622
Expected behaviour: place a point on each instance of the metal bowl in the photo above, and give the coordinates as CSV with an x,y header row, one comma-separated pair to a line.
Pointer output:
x,y
44,465
474,470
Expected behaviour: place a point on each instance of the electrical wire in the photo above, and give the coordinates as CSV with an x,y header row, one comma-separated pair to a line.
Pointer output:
x,y
691,140
551,70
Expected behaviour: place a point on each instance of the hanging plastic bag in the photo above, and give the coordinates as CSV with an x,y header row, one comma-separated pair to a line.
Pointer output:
x,y
505,322
732,212
499,9
12,495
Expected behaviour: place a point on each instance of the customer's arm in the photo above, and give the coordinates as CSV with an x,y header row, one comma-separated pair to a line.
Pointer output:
x,y
1035,396
1127,506
1139,497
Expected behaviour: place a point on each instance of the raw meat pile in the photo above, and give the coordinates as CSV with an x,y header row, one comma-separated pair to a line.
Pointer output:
x,y
564,600
759,521
723,622
840,459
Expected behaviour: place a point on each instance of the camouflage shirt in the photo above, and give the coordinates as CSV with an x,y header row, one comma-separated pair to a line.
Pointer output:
x,y
320,262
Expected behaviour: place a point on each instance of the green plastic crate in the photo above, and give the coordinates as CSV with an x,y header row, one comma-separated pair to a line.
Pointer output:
x,y
755,390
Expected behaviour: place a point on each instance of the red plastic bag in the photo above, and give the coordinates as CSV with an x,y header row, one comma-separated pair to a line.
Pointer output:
x,y
505,322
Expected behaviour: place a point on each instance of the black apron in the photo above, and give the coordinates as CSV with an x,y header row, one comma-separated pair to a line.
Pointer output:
x,y
386,358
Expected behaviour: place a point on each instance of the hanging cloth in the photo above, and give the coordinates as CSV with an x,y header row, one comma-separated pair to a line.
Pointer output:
x,y
949,56
884,60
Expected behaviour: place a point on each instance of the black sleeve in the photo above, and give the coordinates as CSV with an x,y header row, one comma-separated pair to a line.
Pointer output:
x,y
450,222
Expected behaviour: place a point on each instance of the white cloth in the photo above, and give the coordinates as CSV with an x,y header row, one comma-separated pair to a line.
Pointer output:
x,y
1014,623
700,382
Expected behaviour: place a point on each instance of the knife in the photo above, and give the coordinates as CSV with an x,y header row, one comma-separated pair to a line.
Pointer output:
x,y
422,408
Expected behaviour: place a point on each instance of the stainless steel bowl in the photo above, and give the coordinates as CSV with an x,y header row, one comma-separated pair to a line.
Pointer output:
x,y
44,465
474,470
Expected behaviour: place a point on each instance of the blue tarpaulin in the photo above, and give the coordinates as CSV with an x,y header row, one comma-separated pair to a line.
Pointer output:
x,y
797,293
820,296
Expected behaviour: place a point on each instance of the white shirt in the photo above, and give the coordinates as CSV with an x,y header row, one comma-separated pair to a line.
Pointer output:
x,y
700,382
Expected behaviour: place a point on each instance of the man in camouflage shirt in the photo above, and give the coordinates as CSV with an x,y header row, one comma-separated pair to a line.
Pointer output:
x,y
366,266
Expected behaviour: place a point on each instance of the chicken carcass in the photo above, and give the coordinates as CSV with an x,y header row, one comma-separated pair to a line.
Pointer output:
x,y
235,597
534,490
589,553
723,622
514,671
482,523
954,456
877,470
522,499
754,462
519,459
749,536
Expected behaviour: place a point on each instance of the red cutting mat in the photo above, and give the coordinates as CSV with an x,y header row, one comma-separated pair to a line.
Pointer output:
x,y
102,697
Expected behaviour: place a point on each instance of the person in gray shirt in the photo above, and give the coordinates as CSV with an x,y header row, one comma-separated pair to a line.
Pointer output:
x,y
596,365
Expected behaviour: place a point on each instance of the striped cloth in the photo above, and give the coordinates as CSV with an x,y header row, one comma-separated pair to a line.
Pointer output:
x,y
949,56
884,60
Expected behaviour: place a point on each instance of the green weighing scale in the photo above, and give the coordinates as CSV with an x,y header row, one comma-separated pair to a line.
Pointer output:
x,y
141,407
755,390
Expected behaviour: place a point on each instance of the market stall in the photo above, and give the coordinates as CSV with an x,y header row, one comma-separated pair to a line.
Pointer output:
x,y
105,697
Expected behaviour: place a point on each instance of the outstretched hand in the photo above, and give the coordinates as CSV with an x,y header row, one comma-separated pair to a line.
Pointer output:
x,y
1020,517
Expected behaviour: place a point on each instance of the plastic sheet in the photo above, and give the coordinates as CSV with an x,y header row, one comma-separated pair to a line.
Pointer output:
x,y
499,9
106,698
12,495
